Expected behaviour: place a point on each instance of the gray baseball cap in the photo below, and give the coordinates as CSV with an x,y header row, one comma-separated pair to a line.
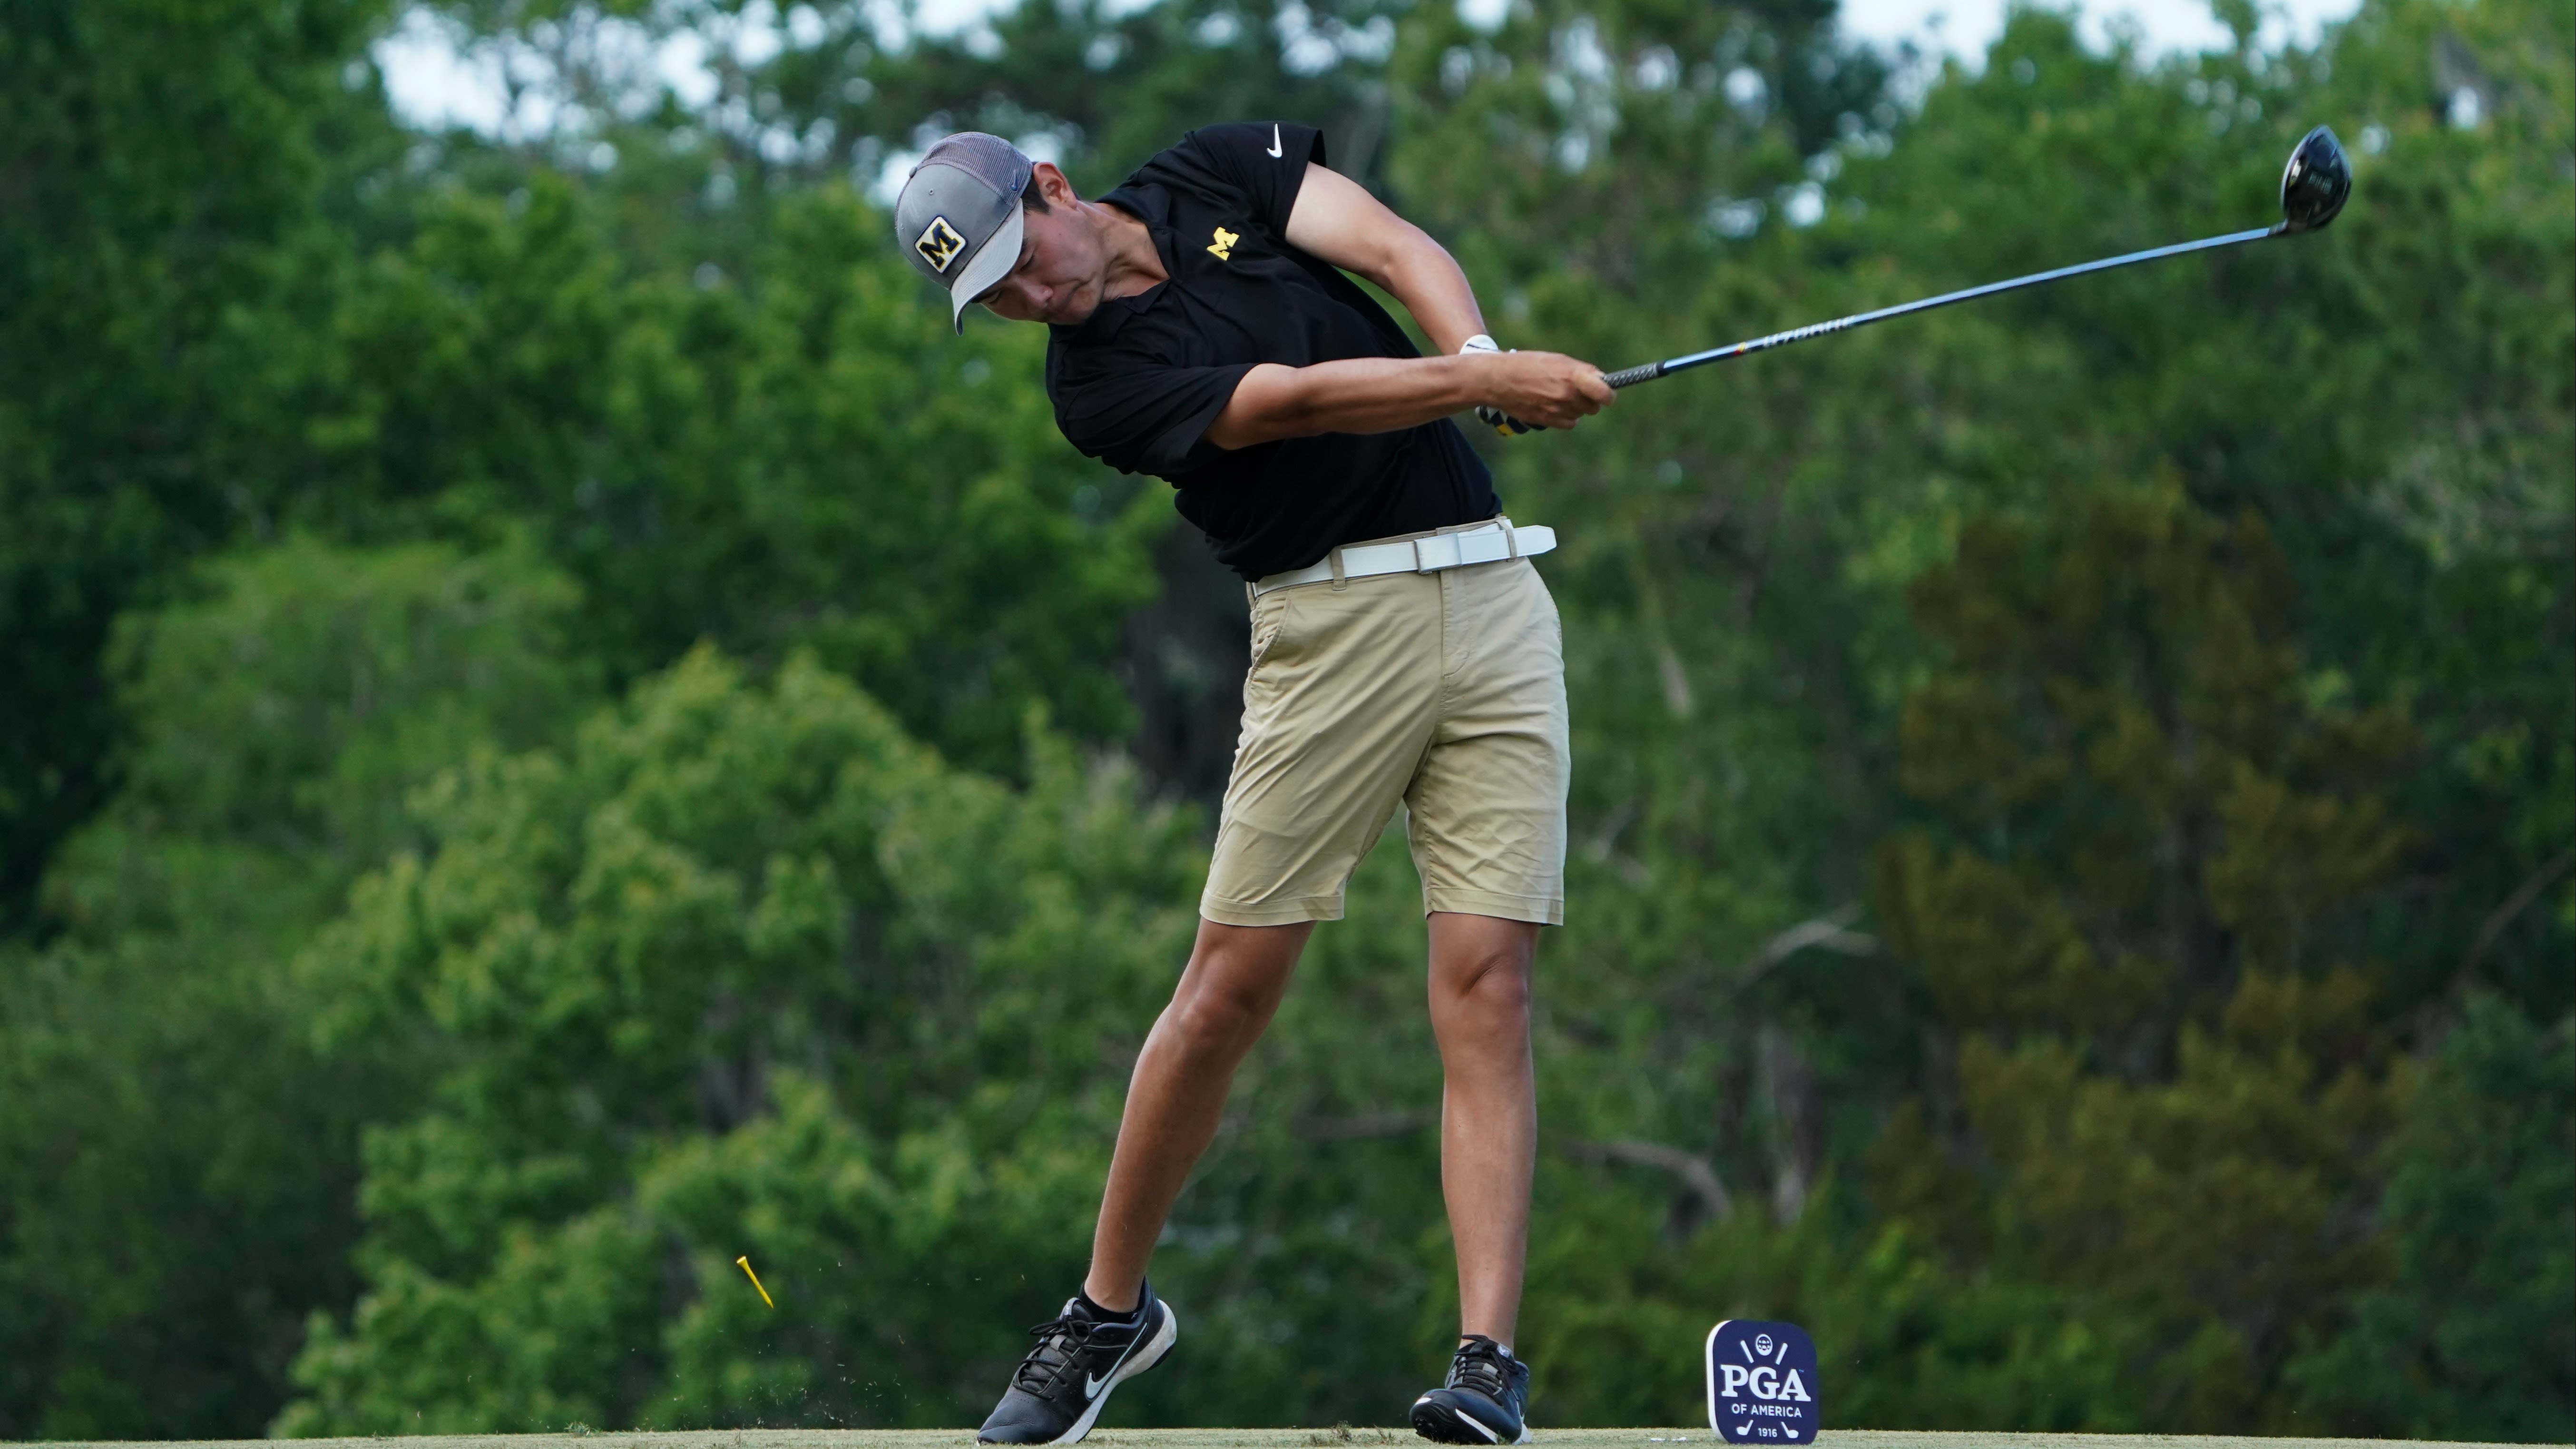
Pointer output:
x,y
959,215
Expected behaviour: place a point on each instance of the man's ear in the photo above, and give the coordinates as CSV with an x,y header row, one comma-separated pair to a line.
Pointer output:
x,y
1051,184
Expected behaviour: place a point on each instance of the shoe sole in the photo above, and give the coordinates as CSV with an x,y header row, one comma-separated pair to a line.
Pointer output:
x,y
1145,1358
1441,1424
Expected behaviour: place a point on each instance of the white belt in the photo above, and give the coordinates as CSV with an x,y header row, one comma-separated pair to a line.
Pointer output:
x,y
1485,543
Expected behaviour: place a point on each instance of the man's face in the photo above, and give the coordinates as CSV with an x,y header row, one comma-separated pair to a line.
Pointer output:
x,y
1063,264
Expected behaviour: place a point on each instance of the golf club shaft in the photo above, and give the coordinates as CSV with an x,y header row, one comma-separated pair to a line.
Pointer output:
x,y
1628,377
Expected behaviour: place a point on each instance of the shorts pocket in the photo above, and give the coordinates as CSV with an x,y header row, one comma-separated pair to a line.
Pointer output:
x,y
1269,617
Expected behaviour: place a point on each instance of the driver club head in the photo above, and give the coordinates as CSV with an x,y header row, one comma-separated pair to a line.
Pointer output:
x,y
2316,183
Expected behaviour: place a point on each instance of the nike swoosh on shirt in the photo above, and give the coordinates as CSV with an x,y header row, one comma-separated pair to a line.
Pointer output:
x,y
1274,138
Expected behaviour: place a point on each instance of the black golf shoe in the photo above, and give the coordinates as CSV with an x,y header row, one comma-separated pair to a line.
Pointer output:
x,y
1059,1389
1482,1403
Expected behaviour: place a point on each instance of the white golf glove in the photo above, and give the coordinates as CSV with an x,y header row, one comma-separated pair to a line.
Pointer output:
x,y
1491,416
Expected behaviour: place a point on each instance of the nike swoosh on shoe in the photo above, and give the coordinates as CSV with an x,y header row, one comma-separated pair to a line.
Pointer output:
x,y
1161,1341
1092,1385
1452,1414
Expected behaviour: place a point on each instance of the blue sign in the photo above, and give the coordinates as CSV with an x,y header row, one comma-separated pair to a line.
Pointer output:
x,y
1762,1384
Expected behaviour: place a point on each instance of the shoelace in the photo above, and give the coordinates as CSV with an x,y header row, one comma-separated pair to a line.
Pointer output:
x,y
1059,1339
1480,1366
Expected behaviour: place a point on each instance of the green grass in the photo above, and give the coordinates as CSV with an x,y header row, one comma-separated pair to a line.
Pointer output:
x,y
1334,1438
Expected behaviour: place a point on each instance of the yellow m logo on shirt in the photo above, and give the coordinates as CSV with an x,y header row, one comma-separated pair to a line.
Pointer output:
x,y
1223,247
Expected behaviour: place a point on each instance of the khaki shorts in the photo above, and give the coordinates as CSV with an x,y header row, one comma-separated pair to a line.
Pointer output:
x,y
1444,691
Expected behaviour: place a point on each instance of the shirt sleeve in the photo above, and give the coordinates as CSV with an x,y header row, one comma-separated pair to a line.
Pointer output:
x,y
1139,416
1264,161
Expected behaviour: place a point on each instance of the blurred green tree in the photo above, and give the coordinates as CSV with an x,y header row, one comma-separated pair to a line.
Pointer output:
x,y
791,460
170,170
745,970
177,1166
2471,1337
2128,924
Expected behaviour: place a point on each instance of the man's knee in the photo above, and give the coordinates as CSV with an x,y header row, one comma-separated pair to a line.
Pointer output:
x,y
1234,983
1221,1016
1493,980
1501,985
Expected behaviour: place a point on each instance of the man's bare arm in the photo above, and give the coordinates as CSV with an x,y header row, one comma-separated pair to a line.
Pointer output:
x,y
1383,394
1337,220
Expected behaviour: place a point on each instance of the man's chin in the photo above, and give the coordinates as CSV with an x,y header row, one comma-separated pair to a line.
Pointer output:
x,y
1077,308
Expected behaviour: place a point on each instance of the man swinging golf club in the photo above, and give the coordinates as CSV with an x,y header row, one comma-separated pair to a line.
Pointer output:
x,y
1403,650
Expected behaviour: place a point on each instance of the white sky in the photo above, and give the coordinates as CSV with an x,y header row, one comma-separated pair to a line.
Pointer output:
x,y
1967,27
433,83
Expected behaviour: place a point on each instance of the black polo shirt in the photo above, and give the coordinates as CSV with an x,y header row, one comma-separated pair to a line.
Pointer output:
x,y
1137,384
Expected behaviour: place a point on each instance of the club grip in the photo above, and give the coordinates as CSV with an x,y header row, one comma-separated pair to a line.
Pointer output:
x,y
1631,376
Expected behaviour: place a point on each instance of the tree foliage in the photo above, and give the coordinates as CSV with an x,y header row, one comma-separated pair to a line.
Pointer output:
x,y
2162,1052
2470,1335
730,975
180,1162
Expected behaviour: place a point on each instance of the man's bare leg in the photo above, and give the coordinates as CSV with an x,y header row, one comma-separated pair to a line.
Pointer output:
x,y
1480,1010
1225,999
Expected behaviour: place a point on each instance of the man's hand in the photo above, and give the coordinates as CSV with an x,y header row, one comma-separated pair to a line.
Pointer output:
x,y
1548,389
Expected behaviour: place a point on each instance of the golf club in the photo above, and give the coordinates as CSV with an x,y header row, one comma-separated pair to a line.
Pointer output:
x,y
2314,187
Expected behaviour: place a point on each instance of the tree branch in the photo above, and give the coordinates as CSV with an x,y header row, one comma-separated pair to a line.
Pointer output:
x,y
1827,932
2515,904
1697,1173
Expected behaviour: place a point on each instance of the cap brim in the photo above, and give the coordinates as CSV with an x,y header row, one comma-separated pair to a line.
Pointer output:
x,y
989,265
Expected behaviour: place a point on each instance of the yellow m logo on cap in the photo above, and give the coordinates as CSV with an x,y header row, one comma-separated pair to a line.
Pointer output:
x,y
939,244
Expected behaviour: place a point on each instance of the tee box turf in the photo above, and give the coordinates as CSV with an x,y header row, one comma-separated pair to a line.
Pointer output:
x,y
1762,1384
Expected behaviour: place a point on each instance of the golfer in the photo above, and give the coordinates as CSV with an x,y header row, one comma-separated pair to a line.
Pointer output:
x,y
1403,651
